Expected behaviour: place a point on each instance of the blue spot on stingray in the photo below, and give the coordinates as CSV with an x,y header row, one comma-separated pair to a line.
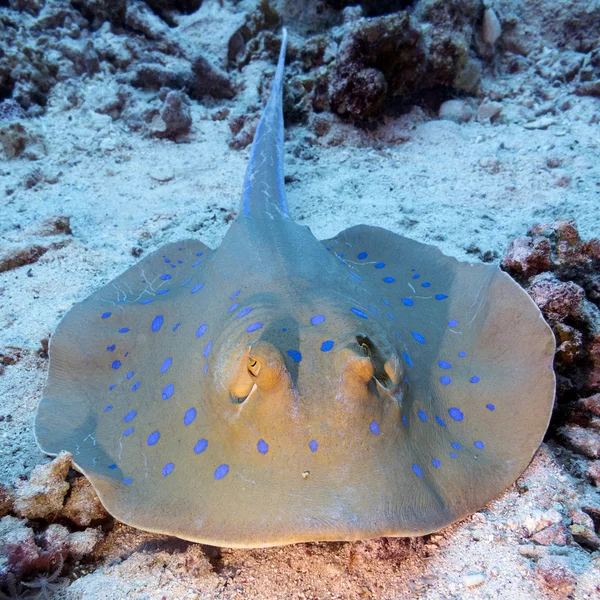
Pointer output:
x,y
199,253
201,330
244,312
444,364
379,265
456,413
233,307
327,345
359,313
168,469
385,302
372,310
439,420
452,323
208,349
108,407
254,327
112,466
361,255
179,261
205,369
130,416
436,463
176,326
153,438
341,255
111,348
391,316
128,432
126,353
462,354
165,277
106,315
197,287
295,355
418,337
416,276
355,276
426,284
408,301
445,380
112,386
455,445
235,294
474,379
374,427
116,364
135,386
491,407
167,260
124,330
417,470
422,416
147,301
198,262
168,391
317,319
157,323
221,471
190,415
186,281
440,296
161,292
262,446
127,480
479,444
408,359
313,445
201,446
166,364
452,455
405,420
389,279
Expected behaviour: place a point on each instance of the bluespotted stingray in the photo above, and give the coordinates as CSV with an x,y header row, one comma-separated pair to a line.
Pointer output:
x,y
283,389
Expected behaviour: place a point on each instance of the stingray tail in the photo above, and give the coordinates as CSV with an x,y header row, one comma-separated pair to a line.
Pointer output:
x,y
263,186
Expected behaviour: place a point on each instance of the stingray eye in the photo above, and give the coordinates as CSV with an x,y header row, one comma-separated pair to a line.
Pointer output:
x,y
253,367
365,345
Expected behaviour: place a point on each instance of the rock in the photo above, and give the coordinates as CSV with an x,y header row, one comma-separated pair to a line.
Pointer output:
x,y
209,80
569,342
589,88
82,543
582,530
488,111
556,299
83,505
538,520
56,225
556,574
455,110
19,553
491,28
527,257
56,540
174,118
42,496
99,11
11,110
18,140
592,404
592,472
6,500
585,441
140,18
555,535
20,257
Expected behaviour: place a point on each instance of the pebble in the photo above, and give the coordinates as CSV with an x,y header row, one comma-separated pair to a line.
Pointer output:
x,y
542,123
455,110
488,111
491,28
473,579
538,520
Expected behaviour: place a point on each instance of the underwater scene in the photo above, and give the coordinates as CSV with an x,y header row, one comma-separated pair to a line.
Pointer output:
x,y
299,299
